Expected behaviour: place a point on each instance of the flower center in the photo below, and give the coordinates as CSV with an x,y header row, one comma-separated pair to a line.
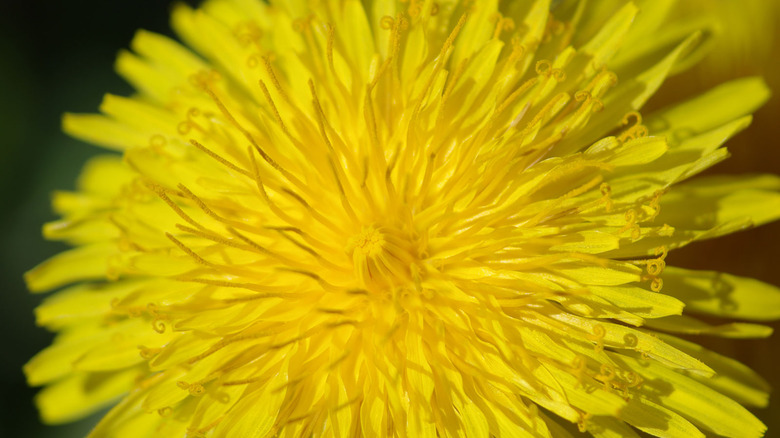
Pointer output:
x,y
382,257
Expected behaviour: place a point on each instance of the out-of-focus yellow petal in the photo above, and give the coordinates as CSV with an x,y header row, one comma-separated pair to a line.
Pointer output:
x,y
78,264
165,51
81,394
103,131
656,420
611,34
720,294
707,202
705,407
104,175
154,83
731,378
688,325
711,109
78,303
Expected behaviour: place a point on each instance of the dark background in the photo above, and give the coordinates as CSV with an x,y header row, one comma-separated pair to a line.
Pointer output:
x,y
57,56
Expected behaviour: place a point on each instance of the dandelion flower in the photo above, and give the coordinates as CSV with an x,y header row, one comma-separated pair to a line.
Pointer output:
x,y
403,218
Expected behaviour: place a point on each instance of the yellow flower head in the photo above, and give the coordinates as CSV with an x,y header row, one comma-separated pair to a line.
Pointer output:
x,y
403,218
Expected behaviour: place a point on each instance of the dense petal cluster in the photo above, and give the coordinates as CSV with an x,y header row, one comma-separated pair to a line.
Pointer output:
x,y
403,218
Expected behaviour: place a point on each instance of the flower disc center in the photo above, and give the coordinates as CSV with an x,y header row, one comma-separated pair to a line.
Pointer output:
x,y
382,257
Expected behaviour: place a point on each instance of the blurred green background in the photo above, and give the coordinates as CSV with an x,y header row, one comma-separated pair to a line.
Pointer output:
x,y
58,56
55,56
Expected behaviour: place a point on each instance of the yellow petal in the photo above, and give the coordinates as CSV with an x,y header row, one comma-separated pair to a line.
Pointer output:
x,y
474,421
592,306
104,175
103,131
255,413
720,294
596,401
622,337
658,421
165,51
379,10
139,115
705,407
127,420
81,231
601,276
687,157
731,378
476,32
122,349
712,201
56,360
357,37
77,203
555,429
654,77
78,264
638,151
657,19
587,242
640,302
604,45
474,78
81,394
80,303
155,83
687,325
714,108
608,427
